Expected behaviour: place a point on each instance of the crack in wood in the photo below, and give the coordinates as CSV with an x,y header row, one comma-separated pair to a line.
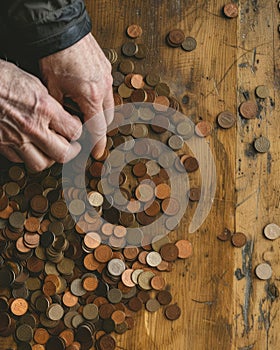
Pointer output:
x,y
247,254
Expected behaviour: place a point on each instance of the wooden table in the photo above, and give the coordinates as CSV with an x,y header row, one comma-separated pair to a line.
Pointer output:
x,y
224,306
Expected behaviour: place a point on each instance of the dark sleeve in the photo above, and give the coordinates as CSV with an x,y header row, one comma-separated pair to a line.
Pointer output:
x,y
43,27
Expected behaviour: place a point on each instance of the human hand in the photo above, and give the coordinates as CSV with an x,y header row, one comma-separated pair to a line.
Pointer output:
x,y
34,128
83,73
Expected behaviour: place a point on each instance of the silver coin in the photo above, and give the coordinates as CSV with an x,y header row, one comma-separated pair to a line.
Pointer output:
x,y
116,267
153,259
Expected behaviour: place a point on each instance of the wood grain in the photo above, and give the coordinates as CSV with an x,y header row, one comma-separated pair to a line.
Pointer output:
x,y
224,306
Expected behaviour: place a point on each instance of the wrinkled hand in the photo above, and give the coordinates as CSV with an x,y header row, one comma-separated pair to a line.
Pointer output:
x,y
34,128
83,73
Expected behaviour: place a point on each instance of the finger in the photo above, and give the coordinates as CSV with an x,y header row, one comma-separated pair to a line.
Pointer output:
x,y
10,154
33,158
64,123
108,106
97,127
56,146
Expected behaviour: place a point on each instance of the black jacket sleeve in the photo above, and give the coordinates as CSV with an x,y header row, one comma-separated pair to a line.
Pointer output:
x,y
40,28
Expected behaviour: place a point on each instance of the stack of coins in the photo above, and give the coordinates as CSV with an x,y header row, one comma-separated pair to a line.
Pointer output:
x,y
177,38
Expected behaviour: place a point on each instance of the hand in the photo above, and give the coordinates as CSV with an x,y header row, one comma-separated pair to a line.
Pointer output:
x,y
34,128
83,73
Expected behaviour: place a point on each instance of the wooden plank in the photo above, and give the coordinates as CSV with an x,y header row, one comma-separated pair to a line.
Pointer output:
x,y
258,176
202,286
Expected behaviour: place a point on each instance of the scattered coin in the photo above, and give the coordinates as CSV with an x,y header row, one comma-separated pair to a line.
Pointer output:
x,y
262,91
248,109
238,239
226,120
231,10
189,44
263,271
262,144
272,231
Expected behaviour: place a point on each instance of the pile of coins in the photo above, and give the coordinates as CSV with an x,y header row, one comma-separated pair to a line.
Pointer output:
x,y
69,280
60,285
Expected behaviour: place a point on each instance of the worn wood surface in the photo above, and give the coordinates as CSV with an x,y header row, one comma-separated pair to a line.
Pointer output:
x,y
219,310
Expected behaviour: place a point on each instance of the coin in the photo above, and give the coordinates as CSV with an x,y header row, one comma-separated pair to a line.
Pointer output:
x,y
263,271
129,48
152,305
248,109
169,252
189,44
231,10
238,239
203,129
134,31
262,91
272,231
226,120
185,248
176,37
153,259
172,312
262,144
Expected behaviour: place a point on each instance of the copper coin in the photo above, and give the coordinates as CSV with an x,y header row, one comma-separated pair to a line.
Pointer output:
x,y
203,129
139,95
92,240
41,336
225,235
194,194
32,224
164,297
158,283
103,253
161,103
169,252
185,248
137,81
19,306
90,283
68,336
139,169
248,109
118,316
176,37
170,206
191,164
231,10
152,209
69,299
107,342
126,278
39,204
134,31
238,239
135,304
226,120
172,312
